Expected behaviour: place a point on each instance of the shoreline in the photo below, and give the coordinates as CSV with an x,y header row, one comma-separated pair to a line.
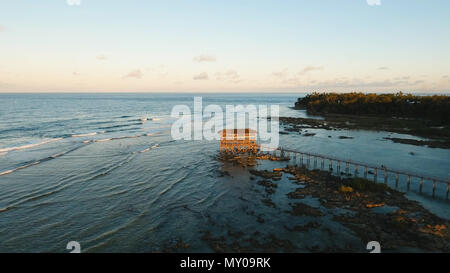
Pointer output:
x,y
436,137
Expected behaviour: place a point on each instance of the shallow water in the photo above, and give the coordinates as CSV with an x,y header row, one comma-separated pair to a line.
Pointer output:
x,y
84,167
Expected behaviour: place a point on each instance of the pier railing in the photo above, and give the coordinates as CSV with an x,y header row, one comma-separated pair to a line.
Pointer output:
x,y
352,168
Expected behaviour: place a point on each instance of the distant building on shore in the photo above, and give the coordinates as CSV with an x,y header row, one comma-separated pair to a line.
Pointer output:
x,y
238,140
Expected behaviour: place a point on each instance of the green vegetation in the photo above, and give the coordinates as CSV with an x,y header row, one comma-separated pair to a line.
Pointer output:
x,y
435,108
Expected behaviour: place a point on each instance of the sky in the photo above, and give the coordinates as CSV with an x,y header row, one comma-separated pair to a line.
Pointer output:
x,y
224,46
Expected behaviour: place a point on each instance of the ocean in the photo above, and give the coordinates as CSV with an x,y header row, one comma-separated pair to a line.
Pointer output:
x,y
103,170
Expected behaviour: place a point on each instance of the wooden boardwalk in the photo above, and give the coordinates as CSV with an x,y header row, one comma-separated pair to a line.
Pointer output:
x,y
333,162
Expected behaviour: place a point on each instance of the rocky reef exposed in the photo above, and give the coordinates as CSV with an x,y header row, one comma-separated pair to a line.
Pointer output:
x,y
373,211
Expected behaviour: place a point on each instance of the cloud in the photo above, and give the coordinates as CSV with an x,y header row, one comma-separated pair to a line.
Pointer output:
x,y
292,78
76,73
280,74
201,76
358,84
383,68
402,78
204,58
101,57
351,84
158,70
373,2
230,75
73,2
295,79
310,68
137,74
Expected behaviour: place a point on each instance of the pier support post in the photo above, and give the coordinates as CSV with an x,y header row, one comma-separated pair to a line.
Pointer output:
x,y
434,187
409,182
301,159
375,176
386,176
365,172
356,167
347,168
315,162
396,180
421,185
322,163
330,166
307,161
338,167
448,189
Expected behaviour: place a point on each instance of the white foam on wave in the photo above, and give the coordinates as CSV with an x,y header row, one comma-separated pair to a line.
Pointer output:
x,y
151,148
28,146
19,168
103,140
85,135
7,172
116,138
58,155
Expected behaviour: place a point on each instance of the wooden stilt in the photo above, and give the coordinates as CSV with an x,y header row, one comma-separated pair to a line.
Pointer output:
x,y
421,185
434,187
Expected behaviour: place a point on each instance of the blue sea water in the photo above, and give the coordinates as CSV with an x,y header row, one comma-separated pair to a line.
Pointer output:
x,y
103,169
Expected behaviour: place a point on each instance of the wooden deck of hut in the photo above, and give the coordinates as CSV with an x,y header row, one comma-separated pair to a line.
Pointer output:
x,y
238,140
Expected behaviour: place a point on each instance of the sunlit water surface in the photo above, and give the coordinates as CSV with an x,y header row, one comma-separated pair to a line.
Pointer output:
x,y
86,168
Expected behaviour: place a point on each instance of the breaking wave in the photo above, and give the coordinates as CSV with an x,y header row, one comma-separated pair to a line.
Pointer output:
x,y
29,146
85,135
29,164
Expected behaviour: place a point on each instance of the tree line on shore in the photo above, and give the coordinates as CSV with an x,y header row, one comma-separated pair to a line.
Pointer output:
x,y
433,107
